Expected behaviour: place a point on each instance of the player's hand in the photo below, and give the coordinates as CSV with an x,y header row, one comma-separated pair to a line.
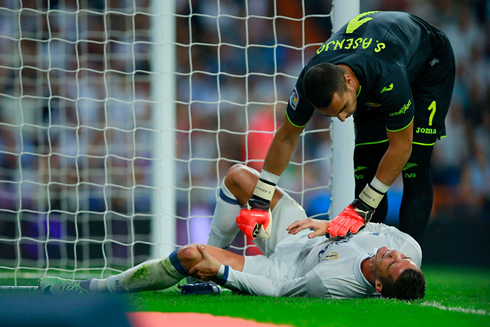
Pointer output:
x,y
207,269
319,227
351,219
254,218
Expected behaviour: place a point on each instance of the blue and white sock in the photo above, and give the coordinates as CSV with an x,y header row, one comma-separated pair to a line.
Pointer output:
x,y
224,227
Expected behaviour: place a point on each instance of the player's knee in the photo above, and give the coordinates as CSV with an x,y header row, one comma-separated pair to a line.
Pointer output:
x,y
238,176
189,255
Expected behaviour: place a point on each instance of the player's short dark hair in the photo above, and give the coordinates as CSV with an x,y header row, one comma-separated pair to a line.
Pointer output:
x,y
410,285
321,82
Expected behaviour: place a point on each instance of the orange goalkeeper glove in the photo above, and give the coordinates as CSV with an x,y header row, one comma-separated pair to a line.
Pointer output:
x,y
357,214
253,216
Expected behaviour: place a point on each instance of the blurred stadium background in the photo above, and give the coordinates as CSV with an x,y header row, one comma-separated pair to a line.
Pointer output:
x,y
75,122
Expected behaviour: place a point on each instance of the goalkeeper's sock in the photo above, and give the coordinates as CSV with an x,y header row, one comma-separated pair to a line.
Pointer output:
x,y
151,275
224,227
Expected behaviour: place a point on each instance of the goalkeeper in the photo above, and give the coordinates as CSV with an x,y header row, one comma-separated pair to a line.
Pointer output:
x,y
394,73
380,259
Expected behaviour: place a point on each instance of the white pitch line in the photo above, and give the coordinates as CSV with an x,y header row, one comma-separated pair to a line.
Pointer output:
x,y
437,305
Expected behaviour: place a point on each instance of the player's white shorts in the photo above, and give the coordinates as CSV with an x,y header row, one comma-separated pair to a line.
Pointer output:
x,y
281,249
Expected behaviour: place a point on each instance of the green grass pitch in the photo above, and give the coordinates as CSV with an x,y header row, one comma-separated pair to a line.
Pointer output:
x,y
456,296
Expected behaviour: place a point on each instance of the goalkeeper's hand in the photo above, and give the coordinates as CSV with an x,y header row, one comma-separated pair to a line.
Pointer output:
x,y
356,214
254,218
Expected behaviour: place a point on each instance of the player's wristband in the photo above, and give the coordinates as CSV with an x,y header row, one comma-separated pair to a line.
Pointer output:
x,y
264,190
371,196
222,274
269,177
379,186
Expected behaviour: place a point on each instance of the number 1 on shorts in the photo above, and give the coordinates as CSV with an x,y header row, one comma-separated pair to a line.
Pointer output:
x,y
433,108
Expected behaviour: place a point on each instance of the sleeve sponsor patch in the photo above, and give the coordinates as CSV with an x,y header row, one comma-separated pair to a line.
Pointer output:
x,y
294,99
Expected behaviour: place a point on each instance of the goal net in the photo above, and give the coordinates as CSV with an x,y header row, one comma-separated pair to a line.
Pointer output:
x,y
120,119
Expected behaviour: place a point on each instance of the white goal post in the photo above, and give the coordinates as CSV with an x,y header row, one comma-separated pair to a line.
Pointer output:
x,y
119,120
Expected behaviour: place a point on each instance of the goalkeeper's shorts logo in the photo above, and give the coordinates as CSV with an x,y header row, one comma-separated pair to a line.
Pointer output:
x,y
331,256
294,99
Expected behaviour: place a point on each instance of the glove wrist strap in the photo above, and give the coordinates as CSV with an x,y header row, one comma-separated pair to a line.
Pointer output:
x,y
264,190
371,196
269,177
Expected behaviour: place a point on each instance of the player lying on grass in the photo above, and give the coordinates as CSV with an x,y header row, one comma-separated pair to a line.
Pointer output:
x,y
379,259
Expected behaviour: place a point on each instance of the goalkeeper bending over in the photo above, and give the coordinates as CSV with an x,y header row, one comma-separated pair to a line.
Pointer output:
x,y
379,259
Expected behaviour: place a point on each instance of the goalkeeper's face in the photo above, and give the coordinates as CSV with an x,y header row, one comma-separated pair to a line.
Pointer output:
x,y
343,105
391,262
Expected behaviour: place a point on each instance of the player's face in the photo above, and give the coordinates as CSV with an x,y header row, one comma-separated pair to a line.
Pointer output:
x,y
342,106
391,262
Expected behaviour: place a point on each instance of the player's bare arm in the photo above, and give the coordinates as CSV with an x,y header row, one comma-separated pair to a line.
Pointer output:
x,y
282,147
255,217
319,227
396,156
361,210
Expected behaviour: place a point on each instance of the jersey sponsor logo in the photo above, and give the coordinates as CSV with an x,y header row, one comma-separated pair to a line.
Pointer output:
x,y
351,43
421,130
410,175
434,62
294,99
387,88
402,110
409,165
331,256
372,105
358,168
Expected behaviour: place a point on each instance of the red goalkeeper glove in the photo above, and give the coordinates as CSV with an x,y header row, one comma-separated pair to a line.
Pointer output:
x,y
255,217
356,214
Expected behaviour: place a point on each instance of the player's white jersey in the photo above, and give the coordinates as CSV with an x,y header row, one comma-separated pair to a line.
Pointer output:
x,y
328,268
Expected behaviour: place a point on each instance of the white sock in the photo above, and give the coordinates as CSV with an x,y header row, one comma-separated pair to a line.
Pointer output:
x,y
224,227
149,276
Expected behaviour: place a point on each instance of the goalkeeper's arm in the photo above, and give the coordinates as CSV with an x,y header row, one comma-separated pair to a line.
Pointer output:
x,y
282,147
256,213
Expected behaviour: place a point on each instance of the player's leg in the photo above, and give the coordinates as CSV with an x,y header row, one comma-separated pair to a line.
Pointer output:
x,y
237,188
366,161
240,181
150,275
432,91
417,193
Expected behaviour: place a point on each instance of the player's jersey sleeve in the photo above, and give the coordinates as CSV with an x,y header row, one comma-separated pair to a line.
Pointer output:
x,y
337,278
309,285
395,95
299,109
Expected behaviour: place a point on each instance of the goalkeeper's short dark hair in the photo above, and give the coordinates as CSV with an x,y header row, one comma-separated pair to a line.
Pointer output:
x,y
321,82
410,285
